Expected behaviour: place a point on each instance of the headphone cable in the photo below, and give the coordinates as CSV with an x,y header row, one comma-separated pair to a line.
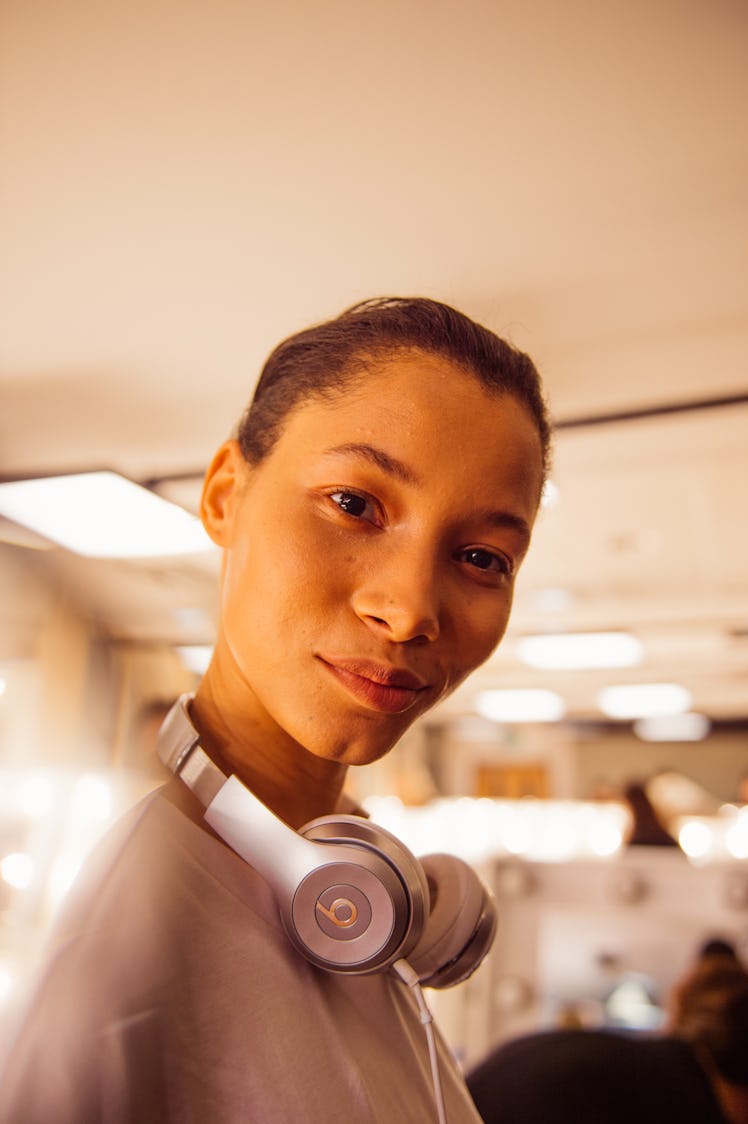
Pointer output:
x,y
409,977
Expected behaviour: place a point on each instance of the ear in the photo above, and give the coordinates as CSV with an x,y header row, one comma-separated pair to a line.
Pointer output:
x,y
222,487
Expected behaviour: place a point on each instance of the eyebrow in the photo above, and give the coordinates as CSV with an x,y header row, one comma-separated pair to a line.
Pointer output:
x,y
389,464
505,519
400,471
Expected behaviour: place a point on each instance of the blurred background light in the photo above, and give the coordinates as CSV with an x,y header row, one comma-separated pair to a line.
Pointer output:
x,y
92,798
526,705
17,870
687,727
604,837
580,650
195,657
550,494
6,983
736,837
643,700
695,838
550,599
36,795
479,829
103,515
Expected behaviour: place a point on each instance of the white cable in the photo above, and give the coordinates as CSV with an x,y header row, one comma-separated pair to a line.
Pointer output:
x,y
409,977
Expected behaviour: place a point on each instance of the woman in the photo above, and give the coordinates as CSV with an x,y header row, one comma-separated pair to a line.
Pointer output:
x,y
373,510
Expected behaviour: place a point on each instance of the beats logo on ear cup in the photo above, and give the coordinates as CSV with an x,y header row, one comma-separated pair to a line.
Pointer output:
x,y
341,912
351,896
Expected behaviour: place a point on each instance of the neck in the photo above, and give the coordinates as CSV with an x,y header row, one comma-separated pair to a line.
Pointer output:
x,y
293,783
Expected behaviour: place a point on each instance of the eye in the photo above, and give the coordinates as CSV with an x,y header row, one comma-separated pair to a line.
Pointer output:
x,y
488,562
354,504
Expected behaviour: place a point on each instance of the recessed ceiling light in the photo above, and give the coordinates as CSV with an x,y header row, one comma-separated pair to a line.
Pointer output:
x,y
580,650
525,705
644,700
103,515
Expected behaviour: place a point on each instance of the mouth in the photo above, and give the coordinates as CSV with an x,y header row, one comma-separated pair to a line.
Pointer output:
x,y
389,690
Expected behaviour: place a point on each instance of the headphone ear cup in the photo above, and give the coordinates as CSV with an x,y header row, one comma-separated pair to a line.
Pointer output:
x,y
383,884
461,925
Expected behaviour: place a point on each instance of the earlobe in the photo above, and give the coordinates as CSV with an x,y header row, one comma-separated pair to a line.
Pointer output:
x,y
221,487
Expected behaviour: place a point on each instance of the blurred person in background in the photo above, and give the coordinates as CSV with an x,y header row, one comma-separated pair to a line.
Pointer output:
x,y
674,795
709,1010
696,1072
373,510
646,828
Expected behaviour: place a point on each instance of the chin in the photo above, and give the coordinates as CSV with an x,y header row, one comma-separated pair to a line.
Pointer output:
x,y
345,749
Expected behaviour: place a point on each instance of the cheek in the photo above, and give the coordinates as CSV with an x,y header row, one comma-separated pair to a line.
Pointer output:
x,y
282,575
480,629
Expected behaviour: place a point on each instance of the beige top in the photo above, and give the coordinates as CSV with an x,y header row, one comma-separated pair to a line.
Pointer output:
x,y
174,996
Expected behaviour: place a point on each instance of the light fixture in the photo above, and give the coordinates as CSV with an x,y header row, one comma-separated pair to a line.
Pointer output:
x,y
525,705
643,700
103,515
686,727
580,650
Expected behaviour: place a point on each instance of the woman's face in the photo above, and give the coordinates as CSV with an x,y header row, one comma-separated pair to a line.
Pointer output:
x,y
370,559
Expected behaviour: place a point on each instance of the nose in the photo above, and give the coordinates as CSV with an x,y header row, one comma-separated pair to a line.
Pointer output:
x,y
399,600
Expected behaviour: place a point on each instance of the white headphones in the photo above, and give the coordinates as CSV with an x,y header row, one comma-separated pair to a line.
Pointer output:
x,y
351,896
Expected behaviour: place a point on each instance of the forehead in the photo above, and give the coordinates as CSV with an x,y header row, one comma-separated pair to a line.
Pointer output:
x,y
428,412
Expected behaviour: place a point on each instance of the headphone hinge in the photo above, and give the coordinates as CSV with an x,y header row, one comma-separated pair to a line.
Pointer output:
x,y
202,776
180,750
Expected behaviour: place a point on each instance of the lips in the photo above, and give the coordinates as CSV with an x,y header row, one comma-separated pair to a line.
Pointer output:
x,y
380,687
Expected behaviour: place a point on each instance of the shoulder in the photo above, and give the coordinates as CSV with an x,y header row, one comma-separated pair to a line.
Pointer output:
x,y
158,851
152,898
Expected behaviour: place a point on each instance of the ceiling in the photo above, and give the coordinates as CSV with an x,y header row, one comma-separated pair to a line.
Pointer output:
x,y
185,184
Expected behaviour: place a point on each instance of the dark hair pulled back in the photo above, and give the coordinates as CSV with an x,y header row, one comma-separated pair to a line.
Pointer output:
x,y
319,361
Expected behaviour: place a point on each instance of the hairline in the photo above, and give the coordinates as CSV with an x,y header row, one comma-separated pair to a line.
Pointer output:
x,y
370,359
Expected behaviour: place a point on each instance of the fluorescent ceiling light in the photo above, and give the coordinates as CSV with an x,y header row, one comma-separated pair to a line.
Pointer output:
x,y
103,515
644,700
688,727
578,650
527,705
